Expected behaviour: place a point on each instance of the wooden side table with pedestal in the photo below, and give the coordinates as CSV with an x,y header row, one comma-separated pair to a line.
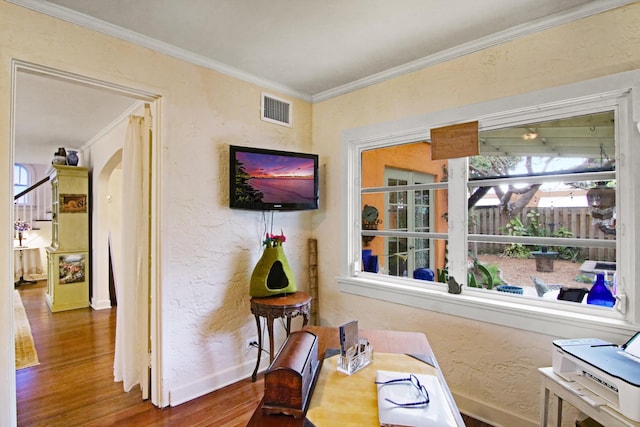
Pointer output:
x,y
287,306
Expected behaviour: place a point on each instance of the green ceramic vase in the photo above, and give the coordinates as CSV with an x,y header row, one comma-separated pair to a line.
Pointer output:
x,y
272,274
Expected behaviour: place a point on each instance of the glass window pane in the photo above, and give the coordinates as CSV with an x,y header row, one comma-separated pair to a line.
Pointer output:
x,y
402,218
20,182
564,144
557,181
422,219
407,209
403,257
543,275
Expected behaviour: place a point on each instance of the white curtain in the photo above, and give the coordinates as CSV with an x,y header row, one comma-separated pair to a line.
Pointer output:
x,y
132,285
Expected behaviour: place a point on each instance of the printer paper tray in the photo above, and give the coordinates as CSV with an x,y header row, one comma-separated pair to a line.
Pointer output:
x,y
575,386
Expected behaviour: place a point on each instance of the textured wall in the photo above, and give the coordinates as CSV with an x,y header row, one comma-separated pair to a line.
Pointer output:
x,y
491,369
208,250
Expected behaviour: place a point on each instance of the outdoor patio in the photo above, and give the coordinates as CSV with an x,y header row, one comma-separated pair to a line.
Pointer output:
x,y
518,272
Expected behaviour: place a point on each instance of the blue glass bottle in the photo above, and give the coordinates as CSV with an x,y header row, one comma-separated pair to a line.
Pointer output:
x,y
600,293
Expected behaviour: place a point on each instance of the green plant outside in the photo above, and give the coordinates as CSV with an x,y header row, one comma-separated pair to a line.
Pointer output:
x,y
489,276
535,228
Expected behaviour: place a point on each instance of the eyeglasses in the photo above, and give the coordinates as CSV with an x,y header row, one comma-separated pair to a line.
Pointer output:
x,y
416,383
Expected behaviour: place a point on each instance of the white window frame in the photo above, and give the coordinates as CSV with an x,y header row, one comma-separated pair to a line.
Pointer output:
x,y
24,200
621,93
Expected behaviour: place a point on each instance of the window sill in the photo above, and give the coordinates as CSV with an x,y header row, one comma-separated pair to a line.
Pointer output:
x,y
506,310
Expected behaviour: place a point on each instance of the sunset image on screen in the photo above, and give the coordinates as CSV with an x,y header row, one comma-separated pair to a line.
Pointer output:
x,y
269,178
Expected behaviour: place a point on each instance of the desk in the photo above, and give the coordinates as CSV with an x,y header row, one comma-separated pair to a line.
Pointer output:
x,y
287,306
26,261
383,342
555,385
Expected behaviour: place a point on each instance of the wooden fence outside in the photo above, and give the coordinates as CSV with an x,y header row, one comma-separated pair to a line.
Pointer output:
x,y
487,220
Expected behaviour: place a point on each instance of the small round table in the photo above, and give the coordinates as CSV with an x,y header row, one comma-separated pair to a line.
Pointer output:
x,y
287,306
20,267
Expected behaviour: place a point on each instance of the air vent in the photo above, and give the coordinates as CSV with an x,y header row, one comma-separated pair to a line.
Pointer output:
x,y
276,110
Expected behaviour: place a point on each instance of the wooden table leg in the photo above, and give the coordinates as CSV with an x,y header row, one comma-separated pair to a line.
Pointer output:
x,y
270,332
255,371
272,308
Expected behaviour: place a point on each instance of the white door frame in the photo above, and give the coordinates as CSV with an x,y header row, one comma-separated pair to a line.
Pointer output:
x,y
154,306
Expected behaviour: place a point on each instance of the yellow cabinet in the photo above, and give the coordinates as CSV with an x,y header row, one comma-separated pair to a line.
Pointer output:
x,y
68,255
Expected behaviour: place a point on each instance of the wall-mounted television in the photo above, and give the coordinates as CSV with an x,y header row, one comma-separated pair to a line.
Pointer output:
x,y
263,179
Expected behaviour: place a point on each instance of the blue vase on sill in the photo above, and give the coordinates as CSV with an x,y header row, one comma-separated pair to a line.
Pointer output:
x,y
369,261
600,293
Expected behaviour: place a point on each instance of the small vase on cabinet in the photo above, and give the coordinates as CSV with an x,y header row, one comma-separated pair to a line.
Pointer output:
x,y
60,157
72,158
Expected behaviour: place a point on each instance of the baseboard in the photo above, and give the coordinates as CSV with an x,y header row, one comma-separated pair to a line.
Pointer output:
x,y
491,415
100,304
213,382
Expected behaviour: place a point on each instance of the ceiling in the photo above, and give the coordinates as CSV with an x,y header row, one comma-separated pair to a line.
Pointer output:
x,y
52,113
305,48
591,135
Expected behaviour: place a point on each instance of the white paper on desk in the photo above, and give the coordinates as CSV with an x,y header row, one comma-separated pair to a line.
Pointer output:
x,y
436,414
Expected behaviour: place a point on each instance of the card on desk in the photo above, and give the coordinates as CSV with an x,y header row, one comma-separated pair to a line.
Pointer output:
x,y
348,336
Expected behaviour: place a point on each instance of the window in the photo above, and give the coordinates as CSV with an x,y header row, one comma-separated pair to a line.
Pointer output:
x,y
21,181
556,192
544,193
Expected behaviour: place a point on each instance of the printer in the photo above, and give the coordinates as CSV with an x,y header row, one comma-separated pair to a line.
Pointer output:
x,y
610,372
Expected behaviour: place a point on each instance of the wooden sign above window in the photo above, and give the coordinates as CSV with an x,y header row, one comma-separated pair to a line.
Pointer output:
x,y
453,141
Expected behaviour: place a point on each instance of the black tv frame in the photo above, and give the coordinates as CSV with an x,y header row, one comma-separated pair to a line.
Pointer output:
x,y
244,199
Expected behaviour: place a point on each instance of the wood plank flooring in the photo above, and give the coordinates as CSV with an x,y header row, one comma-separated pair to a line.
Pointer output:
x,y
73,385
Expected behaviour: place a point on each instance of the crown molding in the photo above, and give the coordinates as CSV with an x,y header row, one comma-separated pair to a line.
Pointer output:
x,y
98,25
500,37
114,123
592,8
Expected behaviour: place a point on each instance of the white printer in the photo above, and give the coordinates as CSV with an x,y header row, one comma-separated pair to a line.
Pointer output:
x,y
609,371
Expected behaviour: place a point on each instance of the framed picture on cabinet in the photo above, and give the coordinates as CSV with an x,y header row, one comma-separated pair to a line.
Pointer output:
x,y
73,203
72,268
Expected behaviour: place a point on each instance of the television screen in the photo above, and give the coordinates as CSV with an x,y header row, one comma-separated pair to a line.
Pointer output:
x,y
262,179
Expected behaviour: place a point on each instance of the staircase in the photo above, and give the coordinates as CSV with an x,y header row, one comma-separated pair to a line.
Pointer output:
x,y
33,205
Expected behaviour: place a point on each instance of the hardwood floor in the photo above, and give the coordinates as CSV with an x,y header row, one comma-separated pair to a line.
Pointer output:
x,y
73,385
